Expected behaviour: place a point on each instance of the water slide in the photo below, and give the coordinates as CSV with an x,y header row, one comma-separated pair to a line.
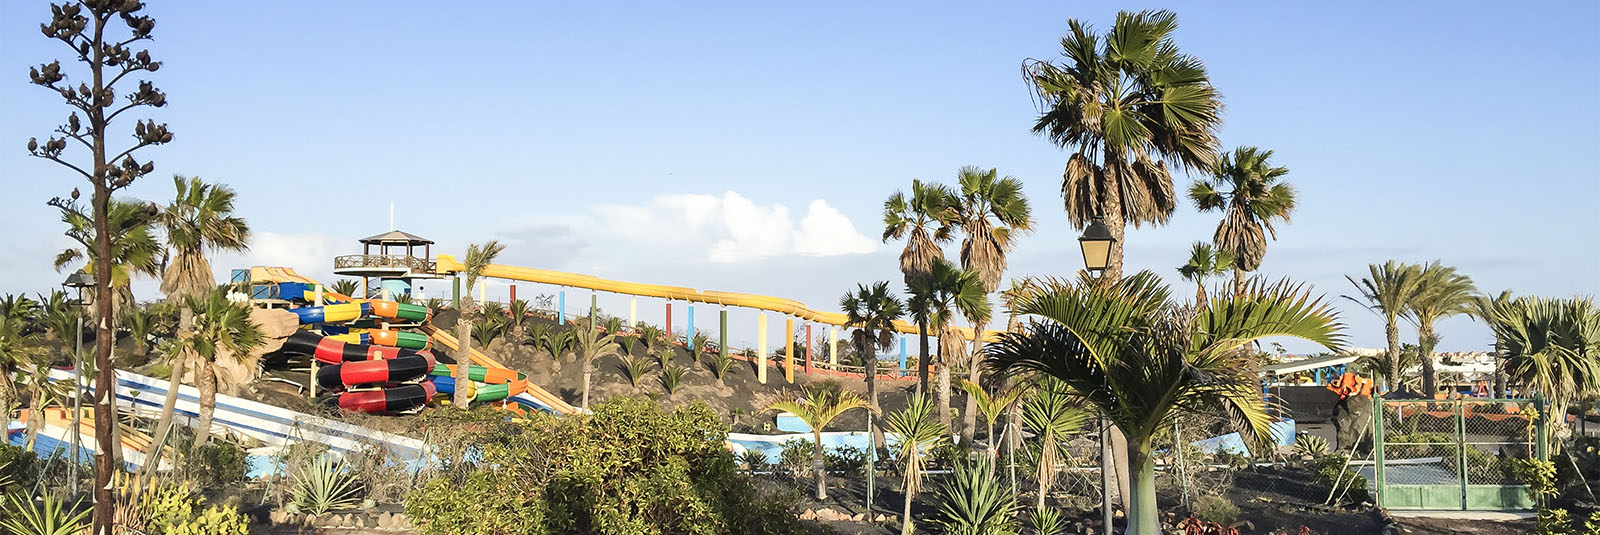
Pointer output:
x,y
543,398
55,436
788,307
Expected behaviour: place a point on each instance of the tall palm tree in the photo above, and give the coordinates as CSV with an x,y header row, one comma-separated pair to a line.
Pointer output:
x,y
1204,263
21,345
989,210
1387,291
925,220
478,257
818,406
1051,415
1144,361
948,290
1441,293
220,326
590,345
915,435
1251,193
1128,103
871,312
1490,309
134,248
1552,346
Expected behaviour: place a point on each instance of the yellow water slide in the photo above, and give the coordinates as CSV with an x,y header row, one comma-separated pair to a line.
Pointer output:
x,y
788,307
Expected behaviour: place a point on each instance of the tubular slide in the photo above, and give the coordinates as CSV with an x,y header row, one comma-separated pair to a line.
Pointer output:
x,y
788,307
57,431
533,397
499,383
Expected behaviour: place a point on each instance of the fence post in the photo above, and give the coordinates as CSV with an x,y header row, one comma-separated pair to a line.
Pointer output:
x,y
1461,450
1377,448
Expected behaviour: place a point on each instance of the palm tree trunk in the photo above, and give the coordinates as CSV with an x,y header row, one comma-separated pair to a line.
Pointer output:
x,y
1426,341
35,416
464,355
7,398
1012,433
1499,386
169,406
905,518
1046,468
1199,295
924,360
588,370
206,380
944,393
1120,461
1142,514
970,417
1238,280
1392,334
817,464
1111,214
878,441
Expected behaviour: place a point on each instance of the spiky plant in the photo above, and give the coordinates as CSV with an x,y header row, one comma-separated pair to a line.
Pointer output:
x,y
664,355
51,516
916,434
557,342
635,369
517,317
818,406
1308,445
1051,415
345,286
974,502
671,377
700,343
720,365
485,332
1046,522
651,335
324,485
613,325
754,460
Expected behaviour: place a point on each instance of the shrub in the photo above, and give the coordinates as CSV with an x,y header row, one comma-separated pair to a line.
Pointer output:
x,y
1310,446
628,467
796,457
634,368
973,501
848,459
671,377
216,465
754,460
720,366
323,486
224,520
1539,476
22,516
948,453
1046,522
19,467
1331,472
1216,509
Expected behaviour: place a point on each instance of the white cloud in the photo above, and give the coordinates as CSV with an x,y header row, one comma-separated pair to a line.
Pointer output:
x,y
723,229
309,254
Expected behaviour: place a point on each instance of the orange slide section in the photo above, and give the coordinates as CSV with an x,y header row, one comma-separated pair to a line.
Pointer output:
x,y
545,397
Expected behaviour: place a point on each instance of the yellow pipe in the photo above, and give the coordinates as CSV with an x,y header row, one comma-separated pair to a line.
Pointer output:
x,y
448,264
761,347
788,350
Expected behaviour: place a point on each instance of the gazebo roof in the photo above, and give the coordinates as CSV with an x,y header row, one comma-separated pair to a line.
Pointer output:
x,y
395,237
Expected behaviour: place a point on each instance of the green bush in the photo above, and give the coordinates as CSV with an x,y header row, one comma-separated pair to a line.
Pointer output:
x,y
215,466
215,520
1214,508
974,501
166,506
19,467
1331,471
796,457
1539,476
1309,446
847,459
627,468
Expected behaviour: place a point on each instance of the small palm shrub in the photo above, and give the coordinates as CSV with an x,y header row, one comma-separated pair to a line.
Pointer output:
x,y
1310,446
1046,522
557,342
634,368
612,325
754,460
671,376
664,355
720,366
1215,509
974,502
486,331
493,311
435,305
699,342
49,516
324,485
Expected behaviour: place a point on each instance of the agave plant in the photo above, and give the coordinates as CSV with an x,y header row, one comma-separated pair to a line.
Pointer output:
x,y
49,516
1047,522
485,332
1310,446
699,344
634,368
754,460
323,485
973,502
671,376
557,342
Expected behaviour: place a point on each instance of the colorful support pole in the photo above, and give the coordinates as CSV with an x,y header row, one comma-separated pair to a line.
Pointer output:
x,y
833,346
561,307
722,335
902,353
669,320
788,349
633,312
513,293
690,337
808,347
455,292
761,348
594,304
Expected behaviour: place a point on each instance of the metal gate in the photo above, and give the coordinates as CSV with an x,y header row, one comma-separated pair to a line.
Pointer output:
x,y
1454,454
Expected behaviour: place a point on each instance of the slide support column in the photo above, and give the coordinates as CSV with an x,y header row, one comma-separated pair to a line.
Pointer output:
x,y
513,293
902,354
633,312
722,335
761,348
689,340
669,320
788,349
833,346
561,307
808,347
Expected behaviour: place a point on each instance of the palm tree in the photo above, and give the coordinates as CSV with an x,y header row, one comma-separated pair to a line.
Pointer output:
x,y
872,312
1553,347
1441,293
590,345
21,346
989,211
1051,415
1387,291
478,257
915,435
1144,361
1255,197
1127,104
221,327
134,249
948,290
925,220
517,317
1204,262
1490,309
345,286
818,406
991,407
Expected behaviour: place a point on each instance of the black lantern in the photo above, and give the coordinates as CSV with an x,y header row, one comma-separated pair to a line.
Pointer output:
x,y
1096,244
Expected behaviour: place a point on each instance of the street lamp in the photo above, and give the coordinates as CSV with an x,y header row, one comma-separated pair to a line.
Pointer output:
x,y
1096,245
77,281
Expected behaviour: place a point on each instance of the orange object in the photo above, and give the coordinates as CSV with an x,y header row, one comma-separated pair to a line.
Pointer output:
x,y
1351,384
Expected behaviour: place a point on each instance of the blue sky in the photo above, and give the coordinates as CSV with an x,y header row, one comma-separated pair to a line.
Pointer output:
x,y
749,146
